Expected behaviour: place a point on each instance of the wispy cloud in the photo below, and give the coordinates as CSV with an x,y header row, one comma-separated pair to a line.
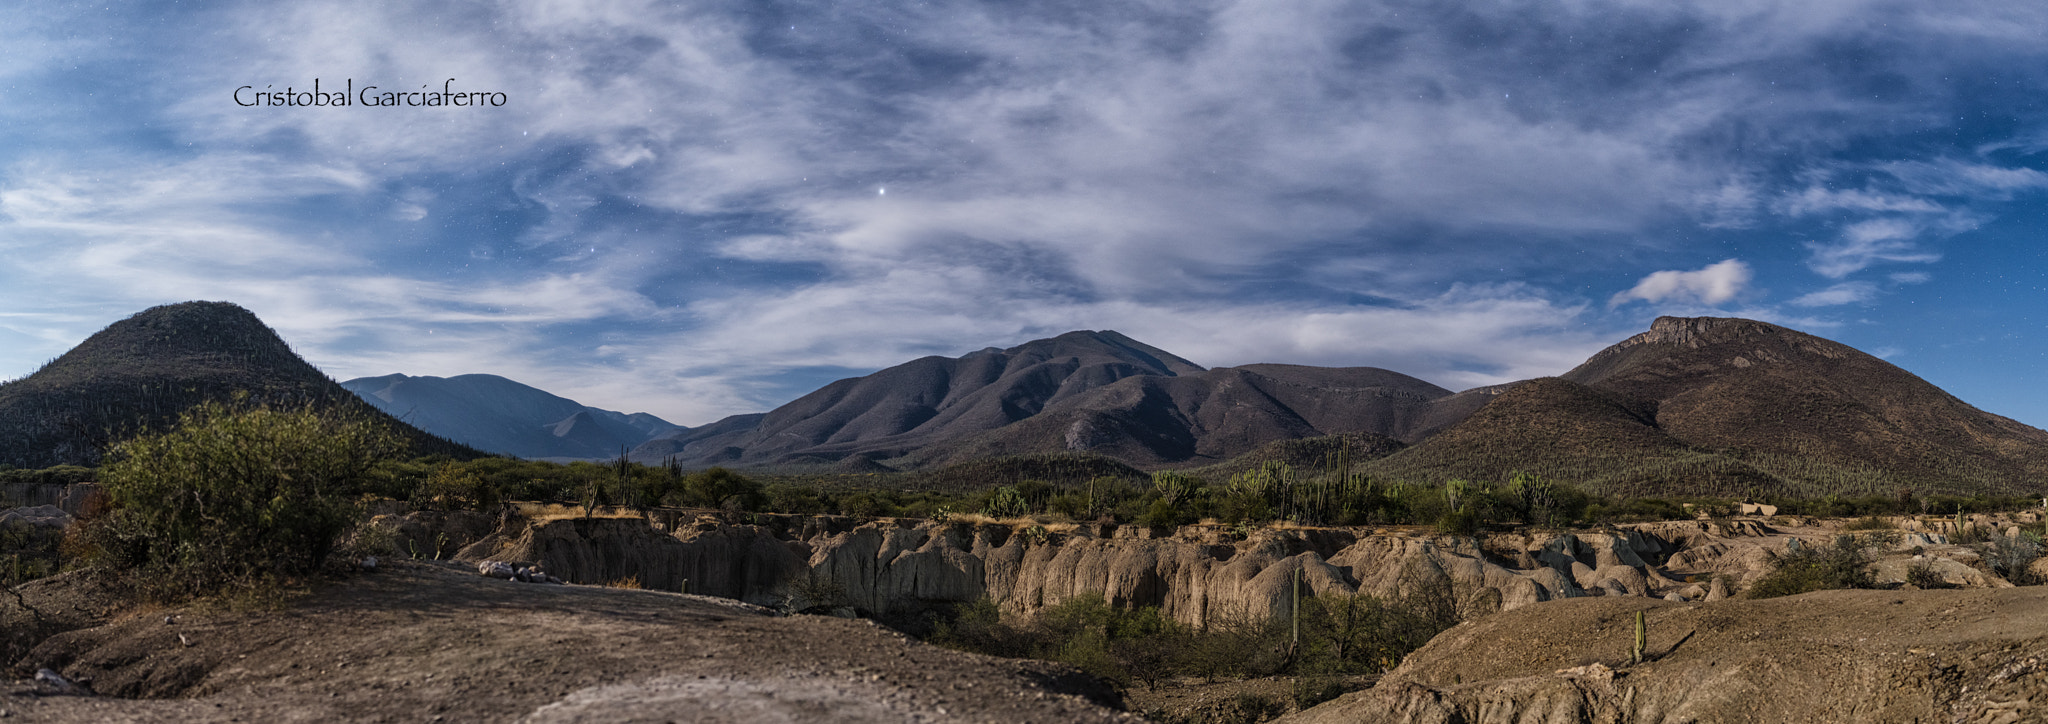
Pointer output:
x,y
1839,294
1867,242
682,199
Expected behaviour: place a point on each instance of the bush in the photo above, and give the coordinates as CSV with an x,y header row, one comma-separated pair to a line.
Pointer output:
x,y
723,489
1312,690
1870,523
1846,564
794,499
1921,574
2011,556
453,488
234,496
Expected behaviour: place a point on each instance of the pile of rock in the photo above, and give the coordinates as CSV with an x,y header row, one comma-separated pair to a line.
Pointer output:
x,y
41,516
513,572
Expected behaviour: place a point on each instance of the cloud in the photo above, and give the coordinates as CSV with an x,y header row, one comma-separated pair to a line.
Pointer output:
x,y
679,201
1910,277
1868,242
1815,199
1712,284
1839,294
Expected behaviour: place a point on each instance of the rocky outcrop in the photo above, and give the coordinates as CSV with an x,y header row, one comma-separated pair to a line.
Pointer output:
x,y
1197,575
731,561
72,498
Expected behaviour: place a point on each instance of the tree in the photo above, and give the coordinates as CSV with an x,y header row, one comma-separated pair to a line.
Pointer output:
x,y
236,495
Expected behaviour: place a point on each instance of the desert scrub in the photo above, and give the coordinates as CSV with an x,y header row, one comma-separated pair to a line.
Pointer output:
x,y
1845,564
1921,575
1340,635
2011,557
234,498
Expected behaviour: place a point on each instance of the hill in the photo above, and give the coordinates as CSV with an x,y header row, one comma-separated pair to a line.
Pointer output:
x,y
1099,393
1714,406
139,373
1217,415
496,414
904,408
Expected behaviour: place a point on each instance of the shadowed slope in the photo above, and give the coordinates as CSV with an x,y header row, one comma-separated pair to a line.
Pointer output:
x,y
1733,406
496,414
1217,415
139,373
924,401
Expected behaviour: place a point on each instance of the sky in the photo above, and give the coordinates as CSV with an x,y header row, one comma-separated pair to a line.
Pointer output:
x,y
703,209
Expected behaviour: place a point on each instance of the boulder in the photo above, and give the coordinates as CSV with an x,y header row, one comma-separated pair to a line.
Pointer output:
x,y
41,516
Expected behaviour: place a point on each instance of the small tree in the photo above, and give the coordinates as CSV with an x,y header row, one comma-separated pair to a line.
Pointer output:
x,y
451,487
236,495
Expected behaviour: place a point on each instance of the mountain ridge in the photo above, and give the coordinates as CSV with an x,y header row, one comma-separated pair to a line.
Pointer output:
x,y
494,413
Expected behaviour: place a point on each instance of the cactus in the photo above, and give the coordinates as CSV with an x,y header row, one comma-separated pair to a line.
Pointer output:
x,y
1642,640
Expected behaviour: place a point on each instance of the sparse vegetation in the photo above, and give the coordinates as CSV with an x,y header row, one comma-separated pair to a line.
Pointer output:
x,y
2011,557
1870,522
1844,564
1339,634
233,497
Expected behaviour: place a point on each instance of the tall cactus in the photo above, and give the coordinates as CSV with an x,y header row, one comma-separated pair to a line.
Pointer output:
x,y
1642,640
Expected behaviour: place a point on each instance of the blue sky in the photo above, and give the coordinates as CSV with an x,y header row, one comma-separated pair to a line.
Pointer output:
x,y
703,209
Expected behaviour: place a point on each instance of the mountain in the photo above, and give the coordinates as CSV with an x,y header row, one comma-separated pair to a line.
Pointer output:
x,y
140,373
492,413
1095,392
930,400
1733,406
1215,415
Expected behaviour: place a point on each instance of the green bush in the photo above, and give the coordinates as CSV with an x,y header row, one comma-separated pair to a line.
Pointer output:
x,y
1846,564
451,487
722,488
794,499
235,496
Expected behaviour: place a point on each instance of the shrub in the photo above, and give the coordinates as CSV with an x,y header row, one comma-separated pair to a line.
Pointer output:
x,y
1164,515
1921,574
235,495
2011,556
722,488
1870,523
1312,690
1846,564
451,487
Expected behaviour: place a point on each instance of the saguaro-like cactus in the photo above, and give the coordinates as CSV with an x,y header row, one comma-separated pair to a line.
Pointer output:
x,y
1642,640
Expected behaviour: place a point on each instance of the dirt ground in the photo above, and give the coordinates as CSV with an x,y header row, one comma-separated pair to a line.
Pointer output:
x,y
1830,656
421,641
1245,700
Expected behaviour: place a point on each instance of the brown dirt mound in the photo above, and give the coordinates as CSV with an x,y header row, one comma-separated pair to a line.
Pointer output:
x,y
421,641
1832,656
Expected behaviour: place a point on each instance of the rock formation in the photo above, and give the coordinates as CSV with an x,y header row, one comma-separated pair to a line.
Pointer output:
x,y
1197,574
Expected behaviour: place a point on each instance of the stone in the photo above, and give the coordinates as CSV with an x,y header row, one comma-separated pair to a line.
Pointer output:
x,y
49,682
